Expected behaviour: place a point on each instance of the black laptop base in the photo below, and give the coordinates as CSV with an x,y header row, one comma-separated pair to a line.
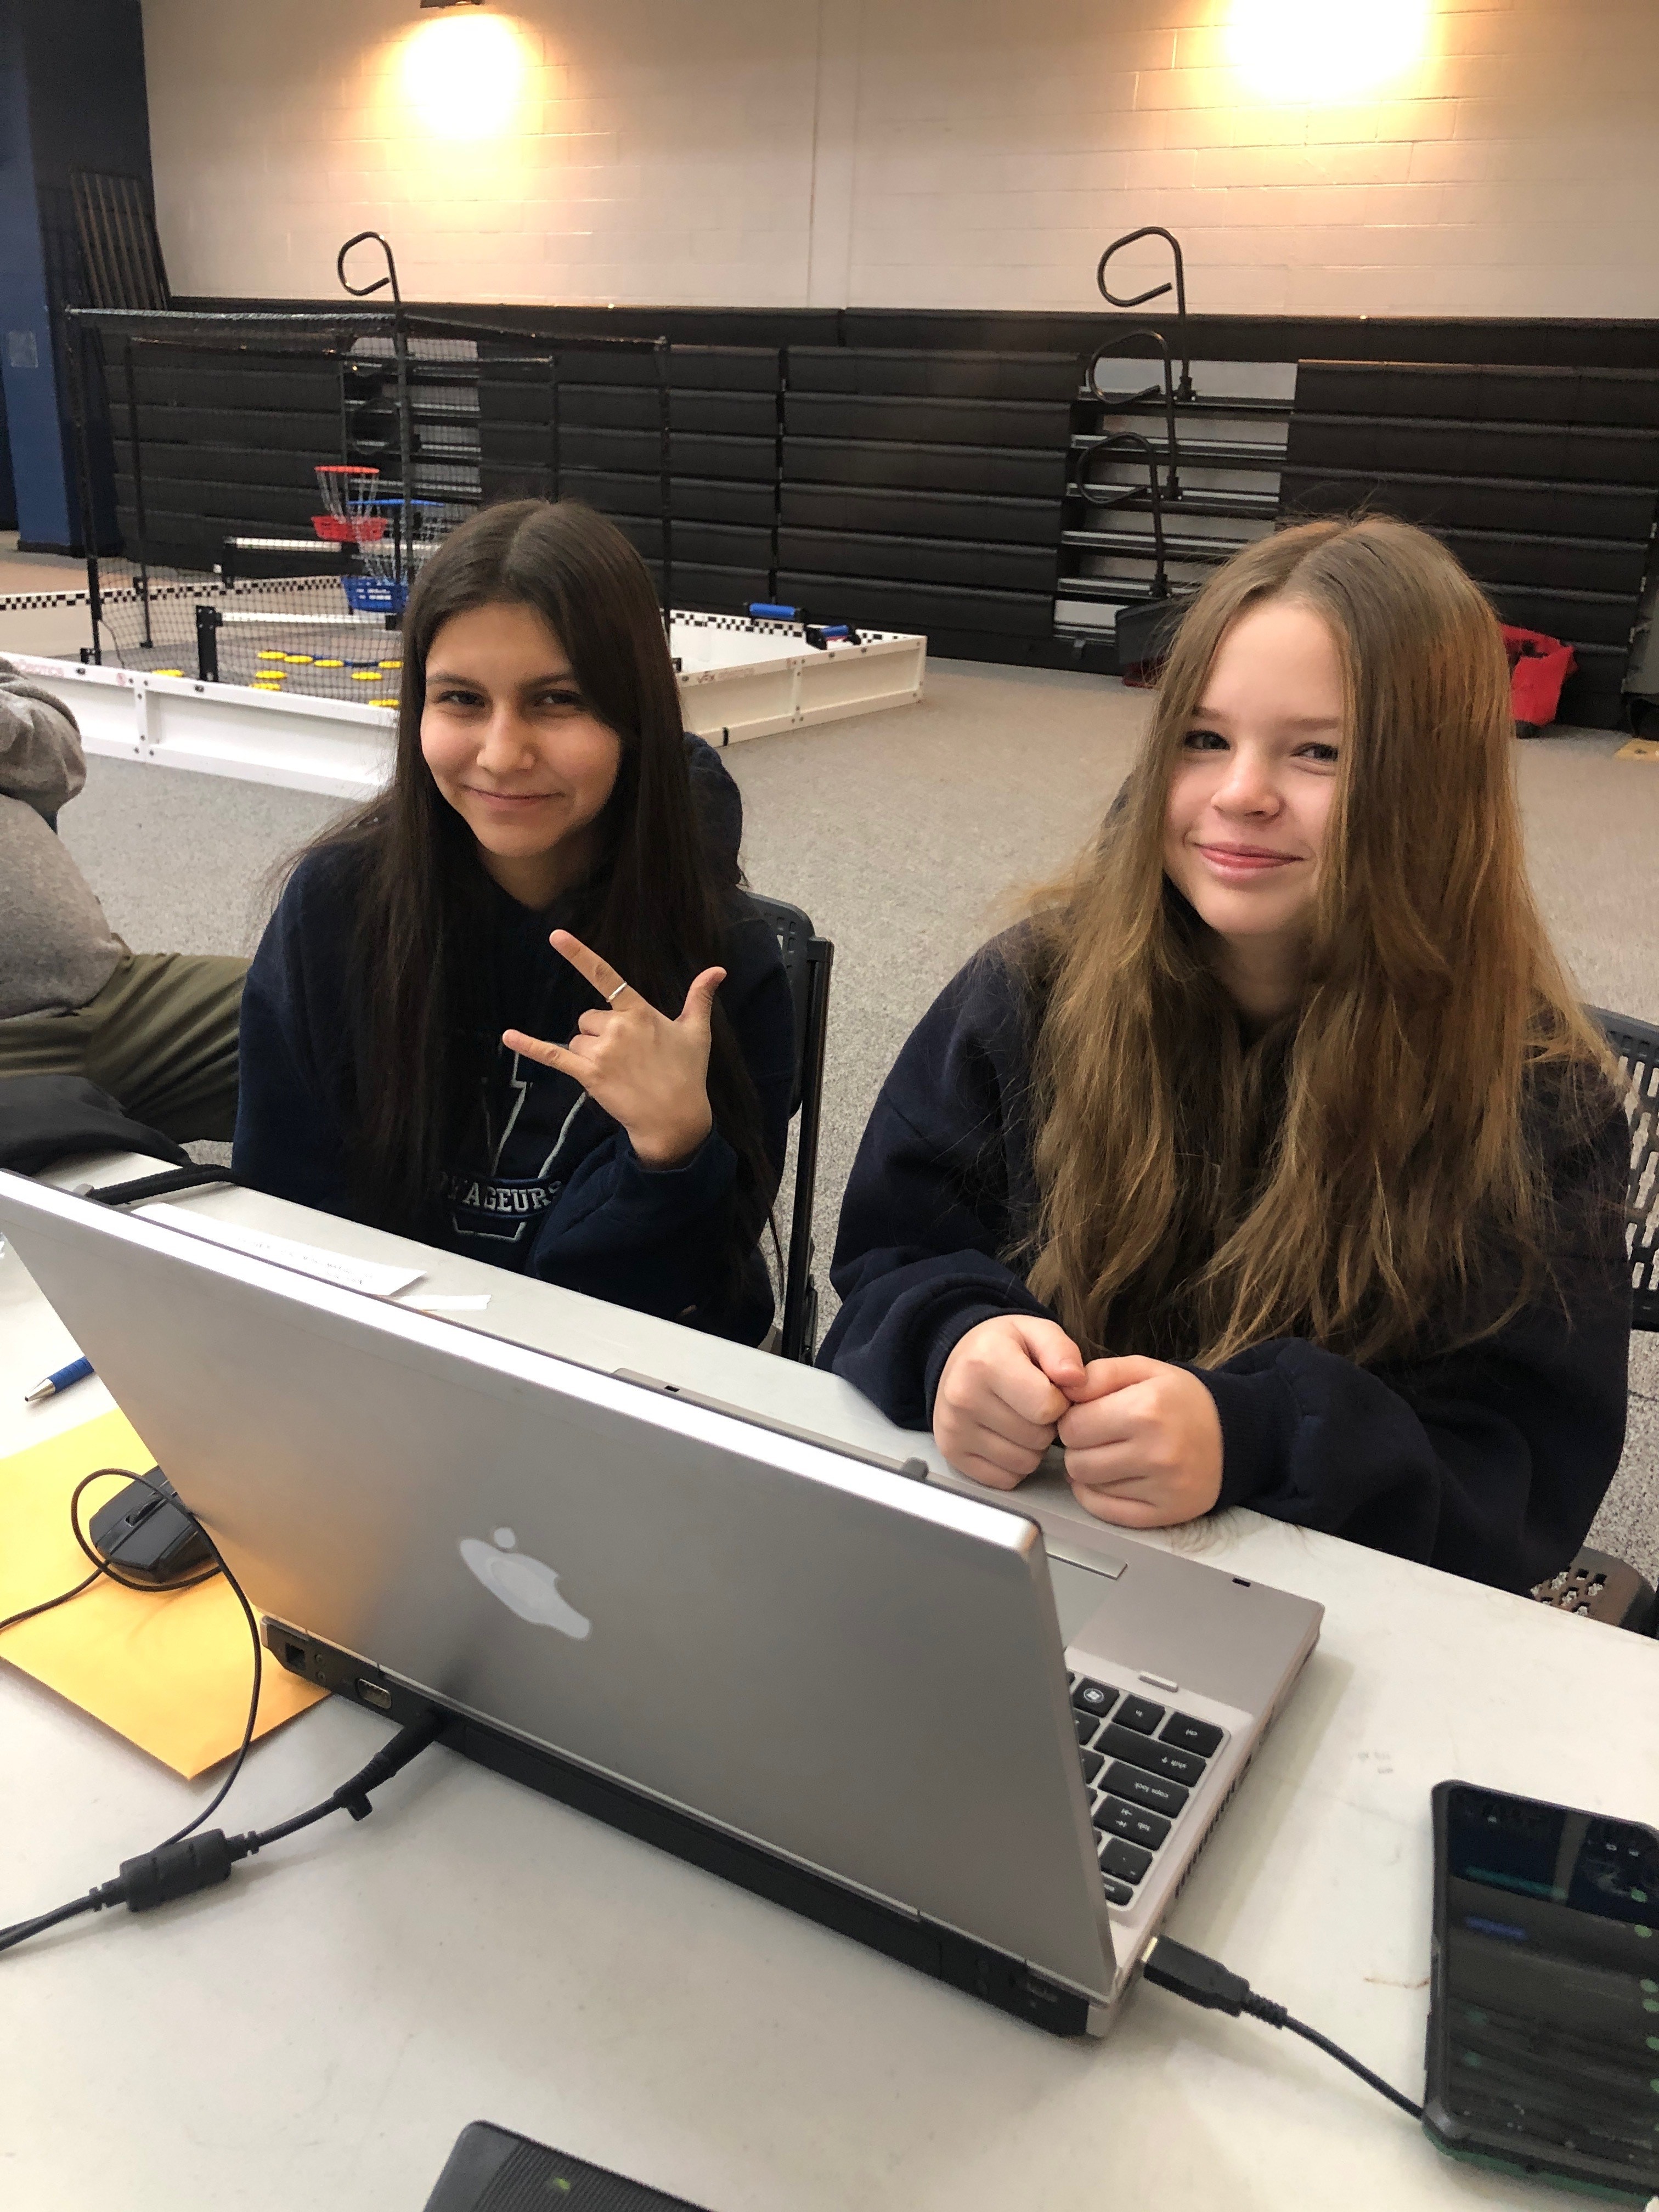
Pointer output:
x,y
976,1968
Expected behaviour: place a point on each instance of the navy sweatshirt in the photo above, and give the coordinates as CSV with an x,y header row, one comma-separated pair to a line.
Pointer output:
x,y
1489,1462
547,1184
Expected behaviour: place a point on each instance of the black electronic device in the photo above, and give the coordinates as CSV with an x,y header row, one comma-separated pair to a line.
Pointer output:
x,y
1543,2045
148,1533
491,2170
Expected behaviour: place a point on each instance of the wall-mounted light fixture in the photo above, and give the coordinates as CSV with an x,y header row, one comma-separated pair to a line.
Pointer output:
x,y
452,3
465,79
1291,52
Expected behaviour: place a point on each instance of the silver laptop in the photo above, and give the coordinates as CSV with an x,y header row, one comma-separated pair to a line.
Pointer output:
x,y
868,1697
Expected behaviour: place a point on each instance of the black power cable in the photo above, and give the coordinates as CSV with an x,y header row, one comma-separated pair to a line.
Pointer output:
x,y
1207,1982
186,1861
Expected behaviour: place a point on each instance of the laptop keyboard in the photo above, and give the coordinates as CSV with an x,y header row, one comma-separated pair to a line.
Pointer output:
x,y
1141,1761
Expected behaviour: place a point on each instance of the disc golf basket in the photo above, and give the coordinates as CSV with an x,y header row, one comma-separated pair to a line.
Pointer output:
x,y
353,518
348,491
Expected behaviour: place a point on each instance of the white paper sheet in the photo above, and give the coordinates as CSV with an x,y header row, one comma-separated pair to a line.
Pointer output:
x,y
376,1277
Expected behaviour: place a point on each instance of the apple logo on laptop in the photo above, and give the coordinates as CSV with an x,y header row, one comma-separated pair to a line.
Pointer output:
x,y
524,1586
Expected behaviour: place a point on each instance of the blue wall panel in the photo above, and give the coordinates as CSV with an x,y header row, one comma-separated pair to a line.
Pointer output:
x,y
72,96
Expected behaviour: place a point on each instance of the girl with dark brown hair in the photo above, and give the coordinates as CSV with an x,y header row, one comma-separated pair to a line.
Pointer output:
x,y
1272,1161
517,1005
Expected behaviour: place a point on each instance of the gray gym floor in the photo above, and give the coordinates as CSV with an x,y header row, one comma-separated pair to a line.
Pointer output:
x,y
909,837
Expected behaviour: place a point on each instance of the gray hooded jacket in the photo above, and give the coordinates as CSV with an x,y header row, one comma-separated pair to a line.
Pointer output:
x,y
57,951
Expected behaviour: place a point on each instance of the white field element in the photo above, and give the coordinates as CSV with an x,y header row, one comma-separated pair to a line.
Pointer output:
x,y
376,1277
524,1586
737,679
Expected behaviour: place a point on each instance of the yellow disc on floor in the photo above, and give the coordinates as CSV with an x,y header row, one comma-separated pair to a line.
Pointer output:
x,y
392,664
299,660
383,702
167,671
270,653
365,675
329,664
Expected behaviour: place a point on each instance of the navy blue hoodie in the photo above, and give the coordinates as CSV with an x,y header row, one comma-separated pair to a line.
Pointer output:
x,y
1489,1461
547,1183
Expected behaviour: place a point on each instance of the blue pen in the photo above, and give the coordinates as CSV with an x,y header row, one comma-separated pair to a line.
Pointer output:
x,y
76,1371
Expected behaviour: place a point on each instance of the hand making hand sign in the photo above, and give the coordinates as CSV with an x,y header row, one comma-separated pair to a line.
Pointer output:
x,y
649,1072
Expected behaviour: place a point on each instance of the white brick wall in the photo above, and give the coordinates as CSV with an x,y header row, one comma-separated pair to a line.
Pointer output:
x,y
909,152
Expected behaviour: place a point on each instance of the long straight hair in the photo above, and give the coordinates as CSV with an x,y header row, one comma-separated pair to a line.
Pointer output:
x,y
1370,1169
656,906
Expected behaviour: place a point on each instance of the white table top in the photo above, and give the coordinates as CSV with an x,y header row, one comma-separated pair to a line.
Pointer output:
x,y
319,2037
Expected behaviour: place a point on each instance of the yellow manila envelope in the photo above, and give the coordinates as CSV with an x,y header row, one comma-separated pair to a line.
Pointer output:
x,y
171,1672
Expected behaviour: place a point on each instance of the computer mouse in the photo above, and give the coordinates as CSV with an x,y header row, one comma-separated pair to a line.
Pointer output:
x,y
146,1533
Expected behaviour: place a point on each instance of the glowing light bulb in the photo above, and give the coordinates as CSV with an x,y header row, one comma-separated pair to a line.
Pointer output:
x,y
464,75
1292,50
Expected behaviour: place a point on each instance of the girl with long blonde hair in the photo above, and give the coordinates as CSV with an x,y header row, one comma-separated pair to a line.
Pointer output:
x,y
1272,1160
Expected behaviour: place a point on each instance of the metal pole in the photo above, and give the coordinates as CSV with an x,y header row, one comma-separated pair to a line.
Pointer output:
x,y
553,401
404,560
777,470
665,491
799,1302
74,366
207,644
141,527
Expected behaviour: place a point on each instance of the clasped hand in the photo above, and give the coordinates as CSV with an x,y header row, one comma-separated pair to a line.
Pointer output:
x,y
1142,1438
649,1072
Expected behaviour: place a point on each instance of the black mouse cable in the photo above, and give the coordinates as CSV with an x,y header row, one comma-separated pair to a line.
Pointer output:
x,y
101,1560
101,1567
1207,1982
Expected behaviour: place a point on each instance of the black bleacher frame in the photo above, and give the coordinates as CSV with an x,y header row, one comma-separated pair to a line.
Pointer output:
x,y
1544,481
908,480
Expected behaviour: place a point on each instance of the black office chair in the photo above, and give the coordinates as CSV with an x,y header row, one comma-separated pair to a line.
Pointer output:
x,y
1637,1044
1596,1584
807,959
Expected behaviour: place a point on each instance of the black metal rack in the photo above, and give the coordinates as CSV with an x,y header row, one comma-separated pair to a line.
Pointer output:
x,y
1125,541
219,422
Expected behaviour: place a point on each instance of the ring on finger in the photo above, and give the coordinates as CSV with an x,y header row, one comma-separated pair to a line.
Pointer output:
x,y
611,997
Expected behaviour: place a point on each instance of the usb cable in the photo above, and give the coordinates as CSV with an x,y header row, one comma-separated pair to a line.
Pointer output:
x,y
1207,1982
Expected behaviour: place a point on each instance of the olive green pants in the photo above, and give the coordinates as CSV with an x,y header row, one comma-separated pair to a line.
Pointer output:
x,y
160,1036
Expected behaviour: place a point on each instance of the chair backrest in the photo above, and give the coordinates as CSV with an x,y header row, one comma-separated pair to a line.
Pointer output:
x,y
1637,1044
793,932
807,958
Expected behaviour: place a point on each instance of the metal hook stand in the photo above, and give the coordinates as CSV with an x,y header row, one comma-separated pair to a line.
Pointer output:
x,y
363,291
403,562
1184,390
1172,473
1107,496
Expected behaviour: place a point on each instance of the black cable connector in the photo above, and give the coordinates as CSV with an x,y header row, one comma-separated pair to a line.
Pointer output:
x,y
176,1869
1207,1982
187,1863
